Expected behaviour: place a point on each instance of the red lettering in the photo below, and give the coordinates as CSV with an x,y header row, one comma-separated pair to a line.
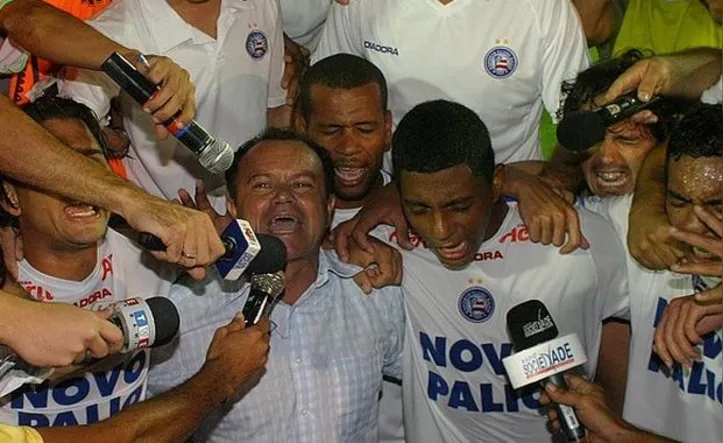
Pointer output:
x,y
107,264
518,233
512,236
415,240
37,292
94,297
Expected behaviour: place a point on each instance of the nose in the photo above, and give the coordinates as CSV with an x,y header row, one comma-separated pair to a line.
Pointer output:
x,y
349,144
283,194
693,224
609,152
441,227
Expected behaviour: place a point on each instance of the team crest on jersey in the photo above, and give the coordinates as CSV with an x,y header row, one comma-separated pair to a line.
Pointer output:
x,y
476,304
257,45
500,62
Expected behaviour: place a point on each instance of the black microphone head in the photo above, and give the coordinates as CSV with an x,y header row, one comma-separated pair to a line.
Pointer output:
x,y
271,258
581,130
530,324
166,319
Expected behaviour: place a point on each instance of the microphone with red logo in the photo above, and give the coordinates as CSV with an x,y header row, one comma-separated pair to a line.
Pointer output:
x,y
540,356
245,251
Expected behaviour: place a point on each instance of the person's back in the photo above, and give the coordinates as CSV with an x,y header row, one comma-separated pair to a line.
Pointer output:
x,y
664,26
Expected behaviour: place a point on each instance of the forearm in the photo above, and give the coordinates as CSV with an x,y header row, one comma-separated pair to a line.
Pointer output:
x,y
53,34
170,417
25,145
698,68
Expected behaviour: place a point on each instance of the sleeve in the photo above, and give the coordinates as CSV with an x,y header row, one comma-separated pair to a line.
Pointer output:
x,y
12,58
276,94
714,95
342,31
565,49
93,89
609,257
390,305
19,434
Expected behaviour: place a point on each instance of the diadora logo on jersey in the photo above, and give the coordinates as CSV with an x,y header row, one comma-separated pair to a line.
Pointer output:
x,y
257,45
374,46
500,62
517,234
488,255
476,304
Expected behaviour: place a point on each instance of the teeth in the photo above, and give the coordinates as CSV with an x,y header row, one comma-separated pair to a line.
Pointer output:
x,y
81,210
610,176
350,174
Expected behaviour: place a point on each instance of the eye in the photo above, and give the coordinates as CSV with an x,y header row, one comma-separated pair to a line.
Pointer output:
x,y
674,202
418,210
261,185
461,208
303,185
330,131
366,129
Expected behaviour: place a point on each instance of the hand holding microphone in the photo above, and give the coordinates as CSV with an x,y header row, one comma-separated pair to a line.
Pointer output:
x,y
214,155
540,356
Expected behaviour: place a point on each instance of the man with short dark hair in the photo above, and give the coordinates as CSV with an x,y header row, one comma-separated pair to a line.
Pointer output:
x,y
343,108
332,343
473,262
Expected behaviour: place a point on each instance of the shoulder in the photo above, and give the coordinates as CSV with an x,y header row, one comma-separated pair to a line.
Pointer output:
x,y
114,19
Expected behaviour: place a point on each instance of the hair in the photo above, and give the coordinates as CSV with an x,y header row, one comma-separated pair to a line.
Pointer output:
x,y
440,134
50,107
274,134
698,134
598,78
341,71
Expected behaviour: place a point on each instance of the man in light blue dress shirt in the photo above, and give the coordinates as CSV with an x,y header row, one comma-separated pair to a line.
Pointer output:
x,y
330,343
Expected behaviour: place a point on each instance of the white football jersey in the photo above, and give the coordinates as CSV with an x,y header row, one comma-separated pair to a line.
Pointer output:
x,y
121,272
455,386
681,404
501,58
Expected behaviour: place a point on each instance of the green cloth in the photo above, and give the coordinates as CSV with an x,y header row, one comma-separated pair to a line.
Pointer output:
x,y
664,26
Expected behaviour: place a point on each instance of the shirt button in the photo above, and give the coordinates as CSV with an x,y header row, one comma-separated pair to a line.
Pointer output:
x,y
304,412
298,360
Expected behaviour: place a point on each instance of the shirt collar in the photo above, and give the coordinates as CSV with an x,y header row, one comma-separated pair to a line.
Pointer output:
x,y
329,263
174,29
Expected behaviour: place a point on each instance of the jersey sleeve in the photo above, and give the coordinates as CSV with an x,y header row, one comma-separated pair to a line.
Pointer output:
x,y
93,89
276,94
342,31
612,298
390,304
565,49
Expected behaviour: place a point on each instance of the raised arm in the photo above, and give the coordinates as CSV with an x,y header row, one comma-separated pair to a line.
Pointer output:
x,y
235,357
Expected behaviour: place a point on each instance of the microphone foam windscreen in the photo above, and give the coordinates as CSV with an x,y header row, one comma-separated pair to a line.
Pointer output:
x,y
530,324
166,319
271,258
579,131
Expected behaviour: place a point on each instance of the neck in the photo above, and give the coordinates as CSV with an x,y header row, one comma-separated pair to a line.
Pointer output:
x,y
300,275
356,204
499,212
59,262
202,16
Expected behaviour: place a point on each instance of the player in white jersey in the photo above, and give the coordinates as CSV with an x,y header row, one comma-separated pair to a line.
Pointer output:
x,y
233,51
478,262
677,402
70,258
503,59
343,108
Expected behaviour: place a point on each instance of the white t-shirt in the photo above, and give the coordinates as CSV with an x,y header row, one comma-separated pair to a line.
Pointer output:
x,y
304,20
501,58
122,271
391,424
684,405
714,95
237,78
455,387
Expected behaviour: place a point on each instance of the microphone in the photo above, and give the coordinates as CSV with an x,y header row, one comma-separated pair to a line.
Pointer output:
x,y
214,155
245,251
542,357
144,324
581,130
265,291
